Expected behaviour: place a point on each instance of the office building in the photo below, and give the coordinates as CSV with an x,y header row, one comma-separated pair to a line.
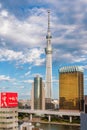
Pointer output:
x,y
48,51
38,94
8,111
83,119
85,103
49,104
71,88
83,116
24,103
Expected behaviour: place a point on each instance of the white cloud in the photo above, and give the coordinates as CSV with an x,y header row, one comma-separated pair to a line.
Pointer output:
x,y
28,32
25,94
28,81
55,79
69,56
31,32
29,56
85,67
30,67
6,78
28,73
37,74
21,87
39,62
8,55
4,13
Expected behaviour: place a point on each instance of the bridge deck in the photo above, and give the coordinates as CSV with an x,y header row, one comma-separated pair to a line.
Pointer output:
x,y
50,112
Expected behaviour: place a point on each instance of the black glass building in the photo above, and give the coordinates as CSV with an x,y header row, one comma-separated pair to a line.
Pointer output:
x,y
38,94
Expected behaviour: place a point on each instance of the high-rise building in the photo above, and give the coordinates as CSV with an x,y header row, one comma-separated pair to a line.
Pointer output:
x,y
71,88
85,103
48,51
8,111
83,121
83,116
38,94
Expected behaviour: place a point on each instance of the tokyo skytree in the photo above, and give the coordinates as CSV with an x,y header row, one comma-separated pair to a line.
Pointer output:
x,y
48,51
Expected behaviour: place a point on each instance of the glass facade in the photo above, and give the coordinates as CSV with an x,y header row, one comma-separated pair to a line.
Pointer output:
x,y
37,93
71,95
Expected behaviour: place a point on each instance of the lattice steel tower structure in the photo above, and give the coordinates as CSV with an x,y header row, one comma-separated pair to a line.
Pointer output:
x,y
48,51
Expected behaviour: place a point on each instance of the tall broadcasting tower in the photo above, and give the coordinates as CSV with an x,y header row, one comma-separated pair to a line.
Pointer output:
x,y
48,51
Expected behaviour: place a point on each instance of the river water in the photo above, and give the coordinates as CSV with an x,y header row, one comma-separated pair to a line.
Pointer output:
x,y
58,127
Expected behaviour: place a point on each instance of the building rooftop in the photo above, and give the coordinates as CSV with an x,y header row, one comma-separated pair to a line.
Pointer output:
x,y
70,69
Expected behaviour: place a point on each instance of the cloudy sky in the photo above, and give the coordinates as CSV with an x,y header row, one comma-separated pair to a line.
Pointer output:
x,y
23,28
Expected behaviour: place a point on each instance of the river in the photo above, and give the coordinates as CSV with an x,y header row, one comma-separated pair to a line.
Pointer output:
x,y
58,127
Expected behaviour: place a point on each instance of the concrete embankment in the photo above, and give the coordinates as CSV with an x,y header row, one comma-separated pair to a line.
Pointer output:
x,y
59,123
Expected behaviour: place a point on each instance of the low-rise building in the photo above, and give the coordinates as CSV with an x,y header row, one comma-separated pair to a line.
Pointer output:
x,y
26,126
8,111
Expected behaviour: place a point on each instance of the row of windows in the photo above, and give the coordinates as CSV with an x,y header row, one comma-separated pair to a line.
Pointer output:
x,y
10,128
1,117
6,128
10,117
7,112
6,122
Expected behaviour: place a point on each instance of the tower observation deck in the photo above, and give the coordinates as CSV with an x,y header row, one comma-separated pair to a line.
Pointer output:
x,y
48,51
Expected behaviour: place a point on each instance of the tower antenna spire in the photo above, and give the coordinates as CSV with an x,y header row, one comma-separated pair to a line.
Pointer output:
x,y
48,37
48,20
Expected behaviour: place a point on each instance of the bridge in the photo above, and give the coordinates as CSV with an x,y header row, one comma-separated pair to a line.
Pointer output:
x,y
69,113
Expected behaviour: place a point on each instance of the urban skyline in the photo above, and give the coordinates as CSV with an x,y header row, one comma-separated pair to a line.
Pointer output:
x,y
23,28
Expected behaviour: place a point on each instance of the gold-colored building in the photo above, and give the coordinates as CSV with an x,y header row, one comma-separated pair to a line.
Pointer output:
x,y
71,88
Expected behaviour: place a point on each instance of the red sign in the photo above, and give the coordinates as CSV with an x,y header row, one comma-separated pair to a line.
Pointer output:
x,y
8,99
